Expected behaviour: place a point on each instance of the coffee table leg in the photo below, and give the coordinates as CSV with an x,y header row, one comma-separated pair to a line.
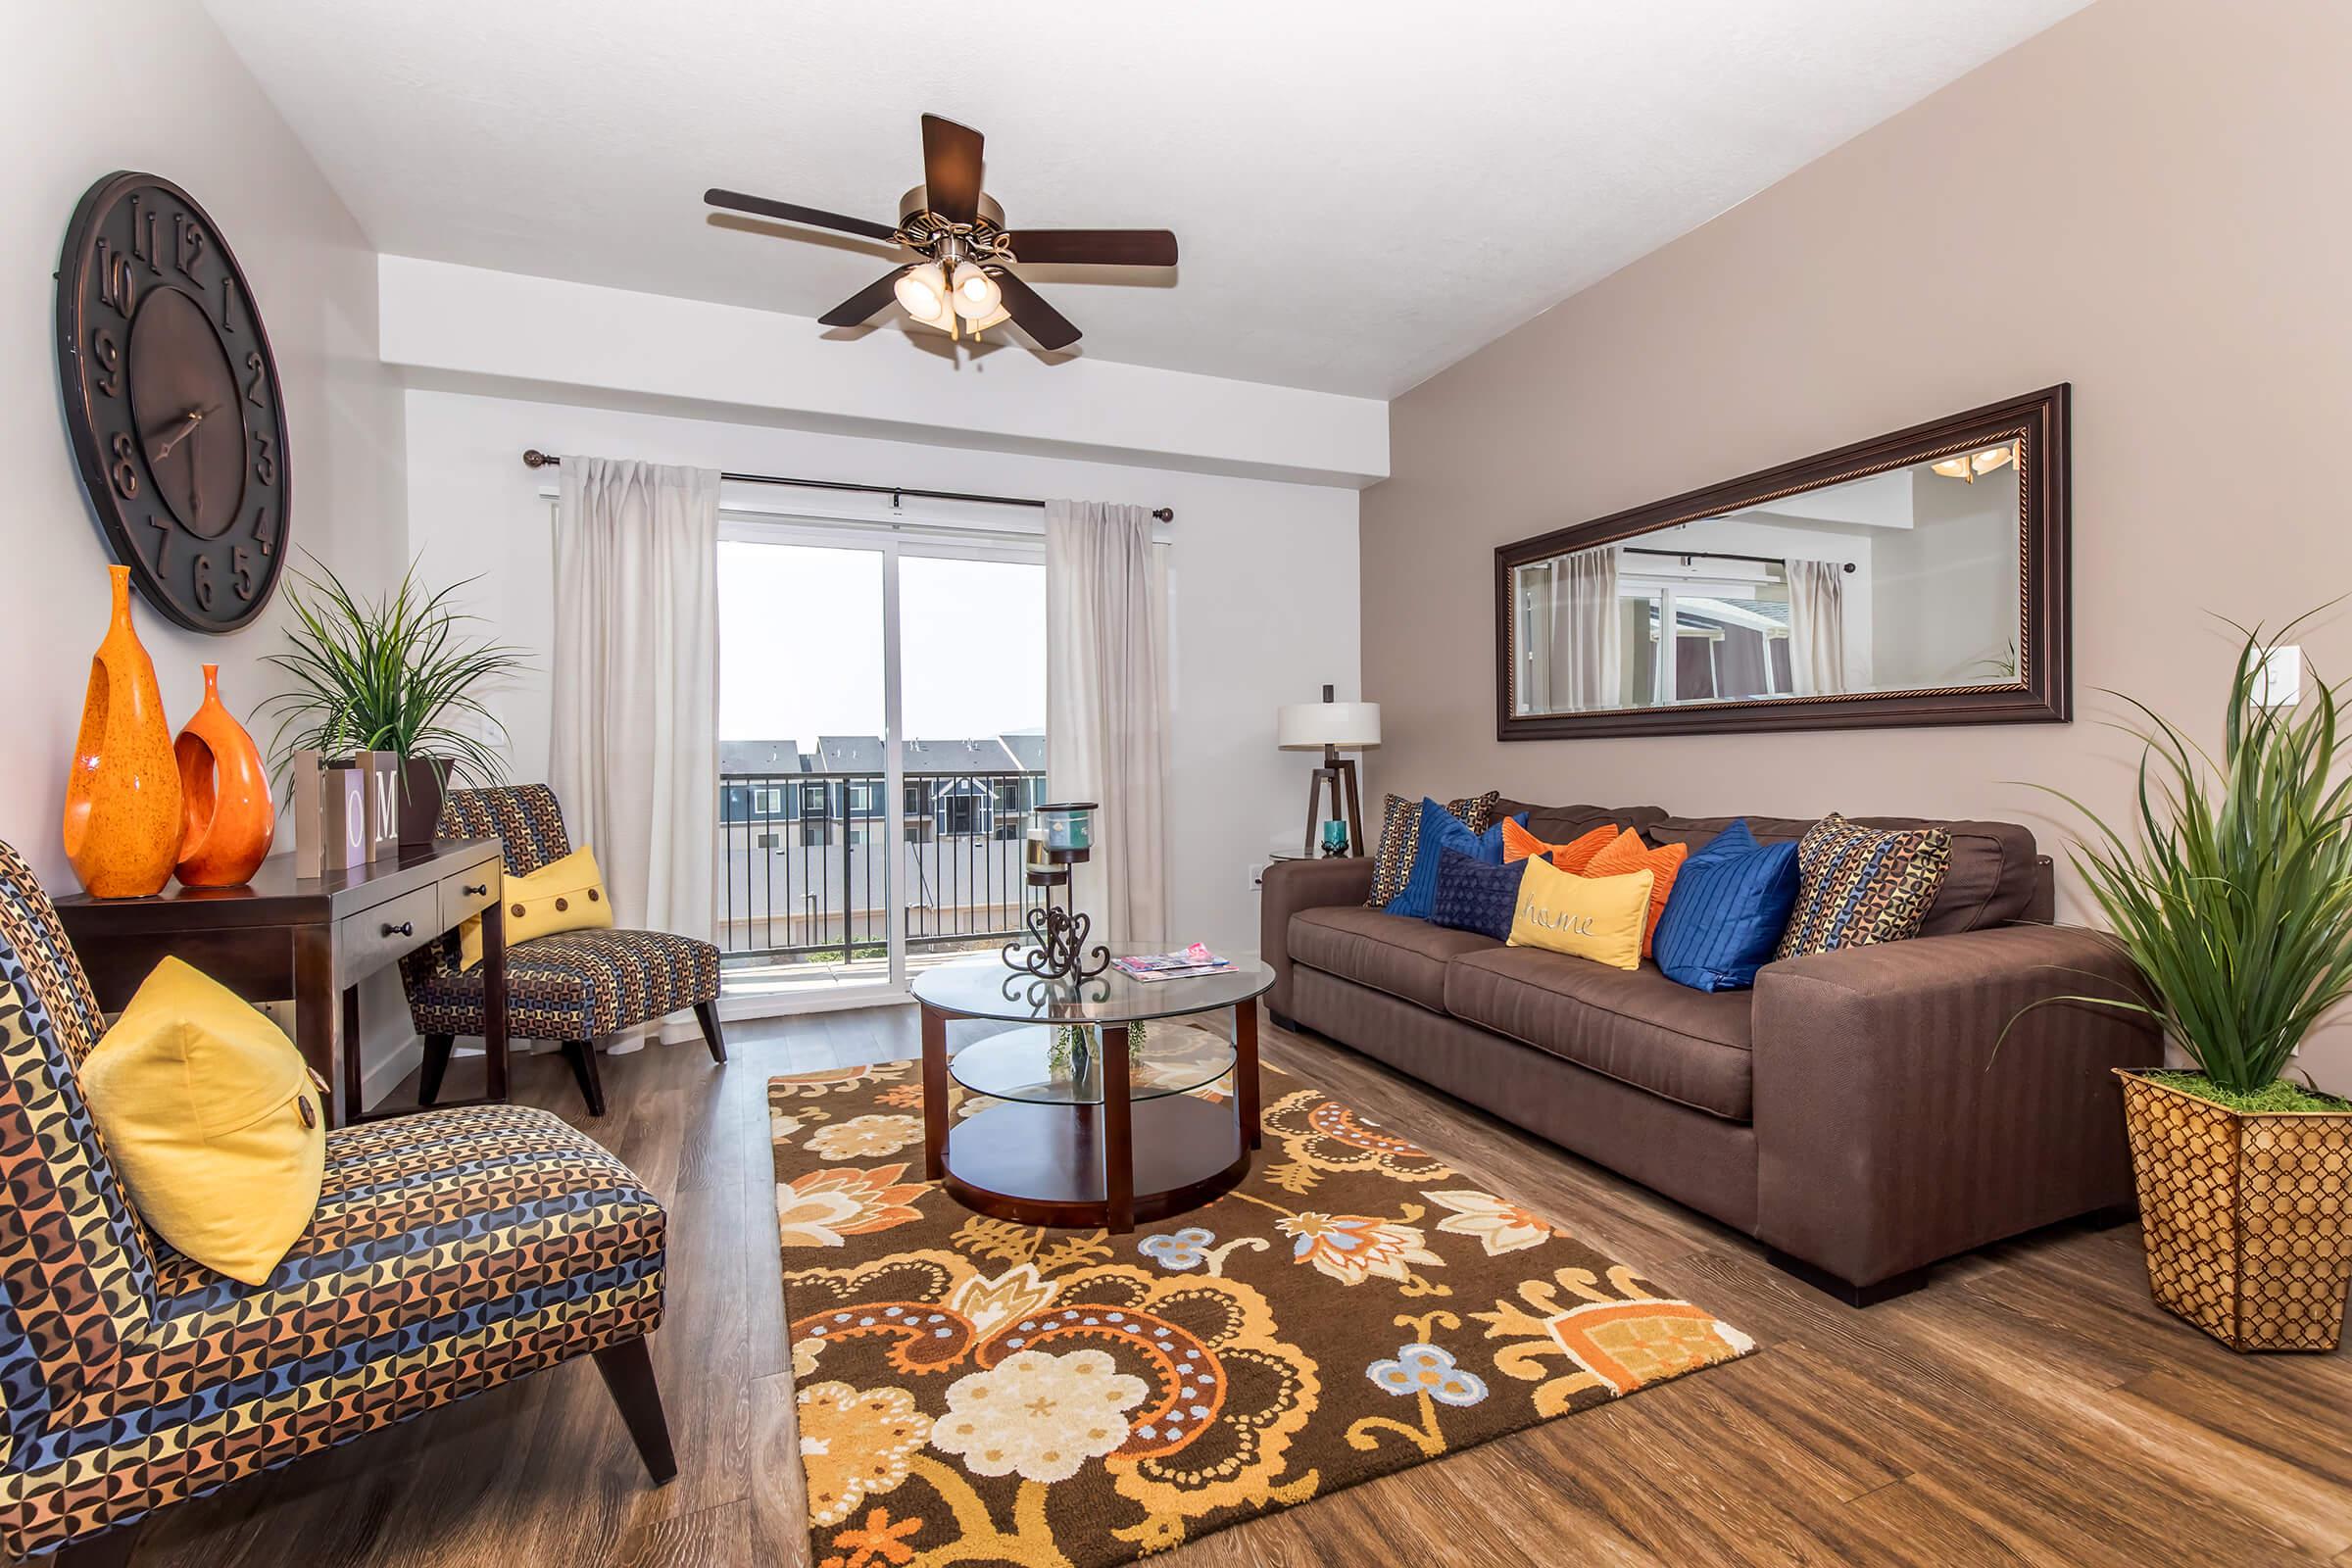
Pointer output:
x,y
1245,1070
935,1094
1118,1145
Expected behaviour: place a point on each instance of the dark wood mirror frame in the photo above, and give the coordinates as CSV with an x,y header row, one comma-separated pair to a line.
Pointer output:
x,y
2044,690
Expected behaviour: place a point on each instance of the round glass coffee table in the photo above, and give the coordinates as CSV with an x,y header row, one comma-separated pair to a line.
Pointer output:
x,y
1093,1139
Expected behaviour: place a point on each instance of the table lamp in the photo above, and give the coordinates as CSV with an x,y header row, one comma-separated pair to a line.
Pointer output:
x,y
1329,726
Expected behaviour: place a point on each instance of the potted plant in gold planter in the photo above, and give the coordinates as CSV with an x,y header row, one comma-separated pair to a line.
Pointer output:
x,y
2235,900
397,674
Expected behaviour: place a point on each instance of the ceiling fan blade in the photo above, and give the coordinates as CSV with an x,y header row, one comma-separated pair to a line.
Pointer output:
x,y
1047,326
951,168
859,308
792,213
1116,247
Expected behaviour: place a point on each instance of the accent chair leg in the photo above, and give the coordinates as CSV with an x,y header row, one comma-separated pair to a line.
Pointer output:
x,y
581,1053
1852,1294
628,1370
705,1013
109,1550
436,1062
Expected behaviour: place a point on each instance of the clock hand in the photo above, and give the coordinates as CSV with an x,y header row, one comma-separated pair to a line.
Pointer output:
x,y
195,418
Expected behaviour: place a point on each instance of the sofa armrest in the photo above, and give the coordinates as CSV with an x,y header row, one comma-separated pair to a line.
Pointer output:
x,y
1891,1132
1290,886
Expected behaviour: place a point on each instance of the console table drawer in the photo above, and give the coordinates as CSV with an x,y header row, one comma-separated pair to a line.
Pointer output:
x,y
374,938
467,894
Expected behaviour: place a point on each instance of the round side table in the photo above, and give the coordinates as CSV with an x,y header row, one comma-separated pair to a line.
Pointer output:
x,y
1098,1140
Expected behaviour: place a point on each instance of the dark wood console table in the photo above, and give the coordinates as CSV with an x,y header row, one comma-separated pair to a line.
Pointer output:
x,y
311,940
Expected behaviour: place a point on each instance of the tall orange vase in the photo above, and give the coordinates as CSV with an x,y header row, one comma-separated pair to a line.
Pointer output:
x,y
229,821
122,802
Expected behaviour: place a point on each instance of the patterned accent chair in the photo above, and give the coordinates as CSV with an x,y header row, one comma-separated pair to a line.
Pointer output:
x,y
569,987
453,1250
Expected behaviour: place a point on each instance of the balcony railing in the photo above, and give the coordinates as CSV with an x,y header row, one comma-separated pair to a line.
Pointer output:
x,y
807,862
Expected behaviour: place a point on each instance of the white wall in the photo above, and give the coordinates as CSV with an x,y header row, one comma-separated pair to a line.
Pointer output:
x,y
156,89
1265,587
79,101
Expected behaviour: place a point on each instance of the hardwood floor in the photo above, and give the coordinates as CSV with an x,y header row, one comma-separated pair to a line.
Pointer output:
x,y
2031,1406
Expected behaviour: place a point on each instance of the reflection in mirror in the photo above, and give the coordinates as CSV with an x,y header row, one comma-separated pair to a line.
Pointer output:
x,y
1900,581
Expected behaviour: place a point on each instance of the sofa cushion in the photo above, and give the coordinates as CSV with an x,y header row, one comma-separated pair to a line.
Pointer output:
x,y
1562,824
1991,881
1632,1026
1389,953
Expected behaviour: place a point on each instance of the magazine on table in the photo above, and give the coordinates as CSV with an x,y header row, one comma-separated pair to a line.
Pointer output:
x,y
1186,965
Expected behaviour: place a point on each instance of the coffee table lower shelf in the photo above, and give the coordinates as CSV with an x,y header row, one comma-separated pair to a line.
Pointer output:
x,y
1041,1165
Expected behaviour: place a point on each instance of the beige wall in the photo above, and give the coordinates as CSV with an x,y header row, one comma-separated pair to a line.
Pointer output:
x,y
154,87
2146,201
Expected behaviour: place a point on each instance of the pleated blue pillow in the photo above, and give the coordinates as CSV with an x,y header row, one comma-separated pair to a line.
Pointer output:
x,y
1726,912
1442,830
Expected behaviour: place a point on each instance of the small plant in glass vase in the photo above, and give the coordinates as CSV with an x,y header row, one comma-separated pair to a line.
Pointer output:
x,y
1073,1042
2233,894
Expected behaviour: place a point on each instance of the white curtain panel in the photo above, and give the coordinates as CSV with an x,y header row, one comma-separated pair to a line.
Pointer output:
x,y
1817,626
1588,651
633,748
1106,708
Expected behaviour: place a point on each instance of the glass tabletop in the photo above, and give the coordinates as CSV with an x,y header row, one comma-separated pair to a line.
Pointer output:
x,y
1024,1063
982,987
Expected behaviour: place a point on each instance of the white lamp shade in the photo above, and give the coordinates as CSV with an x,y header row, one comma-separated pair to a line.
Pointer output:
x,y
1312,726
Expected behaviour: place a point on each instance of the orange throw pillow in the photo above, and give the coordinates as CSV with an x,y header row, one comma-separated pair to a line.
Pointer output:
x,y
1625,854
1518,844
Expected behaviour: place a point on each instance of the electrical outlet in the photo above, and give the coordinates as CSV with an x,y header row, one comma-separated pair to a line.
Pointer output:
x,y
1258,876
2279,679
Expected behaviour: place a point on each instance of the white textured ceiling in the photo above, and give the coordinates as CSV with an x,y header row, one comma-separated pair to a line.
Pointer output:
x,y
1364,193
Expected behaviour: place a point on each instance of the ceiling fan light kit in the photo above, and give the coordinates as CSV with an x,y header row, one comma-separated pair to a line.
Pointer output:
x,y
963,282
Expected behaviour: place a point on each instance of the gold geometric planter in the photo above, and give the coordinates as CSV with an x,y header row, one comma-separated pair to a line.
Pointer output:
x,y
2247,1217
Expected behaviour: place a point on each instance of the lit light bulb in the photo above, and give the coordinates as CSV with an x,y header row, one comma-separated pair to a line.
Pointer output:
x,y
922,293
976,293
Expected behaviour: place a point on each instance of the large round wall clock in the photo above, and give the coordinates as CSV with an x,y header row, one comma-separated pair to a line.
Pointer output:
x,y
171,397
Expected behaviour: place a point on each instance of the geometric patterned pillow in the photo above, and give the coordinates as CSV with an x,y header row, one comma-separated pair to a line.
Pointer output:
x,y
1861,885
1401,838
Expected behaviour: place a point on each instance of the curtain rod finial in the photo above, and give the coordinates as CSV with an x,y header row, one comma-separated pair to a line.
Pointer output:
x,y
536,459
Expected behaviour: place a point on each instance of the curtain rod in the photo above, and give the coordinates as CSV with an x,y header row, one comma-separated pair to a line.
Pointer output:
x,y
536,459
1712,554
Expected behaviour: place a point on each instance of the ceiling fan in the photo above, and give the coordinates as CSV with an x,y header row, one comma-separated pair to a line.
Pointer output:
x,y
963,283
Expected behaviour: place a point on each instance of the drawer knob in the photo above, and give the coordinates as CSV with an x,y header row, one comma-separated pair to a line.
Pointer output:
x,y
406,928
477,890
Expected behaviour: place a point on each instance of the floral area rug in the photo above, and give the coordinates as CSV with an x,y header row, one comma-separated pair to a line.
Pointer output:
x,y
975,1391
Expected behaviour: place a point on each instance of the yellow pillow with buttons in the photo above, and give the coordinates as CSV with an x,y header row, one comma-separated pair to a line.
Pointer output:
x,y
566,895
212,1118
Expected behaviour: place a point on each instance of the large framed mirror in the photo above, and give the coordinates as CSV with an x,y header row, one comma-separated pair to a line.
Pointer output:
x,y
1919,578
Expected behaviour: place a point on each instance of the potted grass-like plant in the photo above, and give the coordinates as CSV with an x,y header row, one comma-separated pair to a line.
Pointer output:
x,y
2234,897
396,675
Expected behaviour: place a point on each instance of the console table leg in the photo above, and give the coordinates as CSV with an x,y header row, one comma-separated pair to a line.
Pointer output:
x,y
1244,1071
318,1016
1118,1132
935,1094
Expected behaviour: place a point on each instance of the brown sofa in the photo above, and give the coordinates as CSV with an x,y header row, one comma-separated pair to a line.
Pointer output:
x,y
1850,1111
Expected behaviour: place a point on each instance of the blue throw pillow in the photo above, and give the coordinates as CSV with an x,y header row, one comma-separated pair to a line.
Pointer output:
x,y
1442,830
1474,896
1724,918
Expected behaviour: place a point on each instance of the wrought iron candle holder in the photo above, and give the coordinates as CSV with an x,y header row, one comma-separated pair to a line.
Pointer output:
x,y
1056,947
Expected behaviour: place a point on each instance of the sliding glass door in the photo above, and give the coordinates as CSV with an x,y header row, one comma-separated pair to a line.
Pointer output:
x,y
881,746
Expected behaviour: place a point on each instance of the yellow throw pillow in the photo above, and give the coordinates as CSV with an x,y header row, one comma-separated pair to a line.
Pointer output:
x,y
209,1115
566,895
1597,917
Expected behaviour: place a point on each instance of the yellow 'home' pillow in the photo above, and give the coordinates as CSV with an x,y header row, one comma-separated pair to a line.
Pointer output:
x,y
209,1115
1597,917
566,895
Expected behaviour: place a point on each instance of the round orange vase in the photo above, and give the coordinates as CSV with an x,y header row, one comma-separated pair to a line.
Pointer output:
x,y
229,821
122,809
